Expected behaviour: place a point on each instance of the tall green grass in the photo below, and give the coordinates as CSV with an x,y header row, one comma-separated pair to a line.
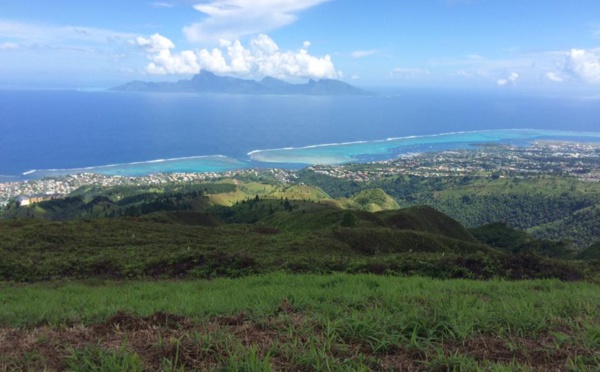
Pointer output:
x,y
452,309
323,322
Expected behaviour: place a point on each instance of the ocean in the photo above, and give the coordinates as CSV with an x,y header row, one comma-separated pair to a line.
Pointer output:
x,y
47,133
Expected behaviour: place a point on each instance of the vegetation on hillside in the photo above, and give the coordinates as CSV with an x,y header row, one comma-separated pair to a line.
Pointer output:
x,y
289,322
278,258
263,235
549,207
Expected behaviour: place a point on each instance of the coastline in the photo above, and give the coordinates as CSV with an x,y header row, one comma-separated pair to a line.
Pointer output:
x,y
319,154
447,164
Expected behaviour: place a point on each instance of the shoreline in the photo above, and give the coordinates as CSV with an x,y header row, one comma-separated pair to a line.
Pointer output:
x,y
319,154
360,172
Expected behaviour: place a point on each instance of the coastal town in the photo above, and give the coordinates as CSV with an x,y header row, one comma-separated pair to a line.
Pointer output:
x,y
580,160
61,186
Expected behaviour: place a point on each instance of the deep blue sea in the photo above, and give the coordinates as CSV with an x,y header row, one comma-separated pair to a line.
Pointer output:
x,y
46,133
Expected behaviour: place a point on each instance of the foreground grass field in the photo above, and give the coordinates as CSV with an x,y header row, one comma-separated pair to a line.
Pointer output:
x,y
283,321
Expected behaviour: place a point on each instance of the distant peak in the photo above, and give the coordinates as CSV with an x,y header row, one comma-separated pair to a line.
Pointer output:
x,y
204,73
271,81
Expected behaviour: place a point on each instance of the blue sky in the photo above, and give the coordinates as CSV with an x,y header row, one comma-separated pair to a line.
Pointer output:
x,y
500,44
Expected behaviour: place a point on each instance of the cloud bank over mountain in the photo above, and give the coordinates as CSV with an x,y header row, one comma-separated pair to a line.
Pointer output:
x,y
262,57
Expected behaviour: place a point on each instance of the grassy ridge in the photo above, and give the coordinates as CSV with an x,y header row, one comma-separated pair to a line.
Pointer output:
x,y
304,322
300,237
548,207
552,207
279,321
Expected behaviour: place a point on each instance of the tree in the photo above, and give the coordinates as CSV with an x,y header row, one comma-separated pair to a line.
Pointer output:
x,y
349,219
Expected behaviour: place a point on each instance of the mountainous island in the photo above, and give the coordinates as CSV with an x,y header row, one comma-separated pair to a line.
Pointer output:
x,y
208,82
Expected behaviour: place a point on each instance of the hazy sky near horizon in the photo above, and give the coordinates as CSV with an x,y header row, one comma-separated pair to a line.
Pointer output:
x,y
500,44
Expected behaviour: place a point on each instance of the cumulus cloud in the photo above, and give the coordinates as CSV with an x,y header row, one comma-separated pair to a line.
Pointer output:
x,y
232,19
261,58
163,61
584,64
363,53
553,76
511,79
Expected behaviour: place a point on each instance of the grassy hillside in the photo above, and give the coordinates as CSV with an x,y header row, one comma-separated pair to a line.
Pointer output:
x,y
249,190
550,207
95,202
424,218
291,236
256,227
372,200
282,322
279,295
501,236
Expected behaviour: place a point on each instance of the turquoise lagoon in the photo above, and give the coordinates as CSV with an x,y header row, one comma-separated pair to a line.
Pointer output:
x,y
330,154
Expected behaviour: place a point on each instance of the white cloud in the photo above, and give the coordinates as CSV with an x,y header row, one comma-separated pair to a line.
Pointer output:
x,y
529,66
163,61
553,76
9,46
364,53
584,64
155,43
511,79
161,4
262,58
408,72
232,19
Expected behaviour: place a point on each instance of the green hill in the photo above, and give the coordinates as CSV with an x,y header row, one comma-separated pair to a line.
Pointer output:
x,y
501,236
580,227
549,207
426,219
254,236
372,200
184,218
